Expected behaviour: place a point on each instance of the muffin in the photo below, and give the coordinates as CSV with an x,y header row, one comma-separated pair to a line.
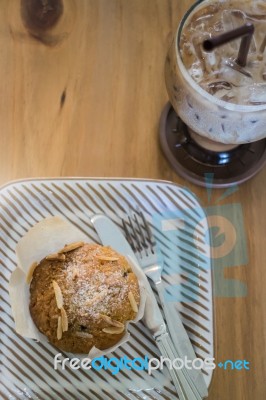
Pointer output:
x,y
83,296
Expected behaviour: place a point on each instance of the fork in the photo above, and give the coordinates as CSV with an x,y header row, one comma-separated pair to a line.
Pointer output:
x,y
140,238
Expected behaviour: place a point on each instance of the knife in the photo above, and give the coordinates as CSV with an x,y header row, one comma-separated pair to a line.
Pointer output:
x,y
111,235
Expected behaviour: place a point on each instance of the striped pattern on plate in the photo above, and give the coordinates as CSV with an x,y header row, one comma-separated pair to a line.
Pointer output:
x,y
27,369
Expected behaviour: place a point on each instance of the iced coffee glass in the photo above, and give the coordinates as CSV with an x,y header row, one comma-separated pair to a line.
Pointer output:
x,y
216,100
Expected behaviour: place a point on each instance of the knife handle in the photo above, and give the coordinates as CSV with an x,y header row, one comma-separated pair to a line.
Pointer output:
x,y
183,347
183,388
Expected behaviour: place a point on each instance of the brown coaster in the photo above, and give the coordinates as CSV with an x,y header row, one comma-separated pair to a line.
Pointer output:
x,y
194,163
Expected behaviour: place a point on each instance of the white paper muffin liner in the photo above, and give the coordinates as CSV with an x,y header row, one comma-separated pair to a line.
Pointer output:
x,y
47,237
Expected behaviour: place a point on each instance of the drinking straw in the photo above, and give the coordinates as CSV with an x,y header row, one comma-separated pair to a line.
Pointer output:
x,y
263,45
246,32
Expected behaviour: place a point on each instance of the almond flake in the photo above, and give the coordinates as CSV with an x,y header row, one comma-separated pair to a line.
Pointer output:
x,y
71,246
106,318
105,258
112,321
114,330
118,324
56,257
133,303
84,335
64,320
30,272
58,295
59,328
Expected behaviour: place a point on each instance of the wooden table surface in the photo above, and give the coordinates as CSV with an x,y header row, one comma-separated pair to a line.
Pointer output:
x,y
84,98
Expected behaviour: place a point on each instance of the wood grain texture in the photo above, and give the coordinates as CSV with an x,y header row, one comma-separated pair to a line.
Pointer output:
x,y
84,99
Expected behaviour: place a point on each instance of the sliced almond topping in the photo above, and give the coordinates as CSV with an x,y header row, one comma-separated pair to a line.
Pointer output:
x,y
64,320
84,335
71,246
118,324
112,321
30,272
58,295
59,328
114,330
105,258
106,318
56,257
133,303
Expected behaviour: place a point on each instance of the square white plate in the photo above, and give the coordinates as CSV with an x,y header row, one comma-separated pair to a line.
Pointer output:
x,y
180,228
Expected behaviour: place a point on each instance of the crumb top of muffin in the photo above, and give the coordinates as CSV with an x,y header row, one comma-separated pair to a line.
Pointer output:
x,y
82,297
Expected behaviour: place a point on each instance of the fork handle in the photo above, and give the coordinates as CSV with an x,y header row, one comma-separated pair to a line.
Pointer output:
x,y
184,390
182,346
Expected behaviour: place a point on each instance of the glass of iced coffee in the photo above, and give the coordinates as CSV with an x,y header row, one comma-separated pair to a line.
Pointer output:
x,y
215,97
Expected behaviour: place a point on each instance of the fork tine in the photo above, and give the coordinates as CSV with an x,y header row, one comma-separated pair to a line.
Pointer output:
x,y
138,234
148,230
141,231
128,236
135,235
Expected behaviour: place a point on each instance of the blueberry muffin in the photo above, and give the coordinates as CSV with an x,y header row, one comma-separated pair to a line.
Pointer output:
x,y
82,297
